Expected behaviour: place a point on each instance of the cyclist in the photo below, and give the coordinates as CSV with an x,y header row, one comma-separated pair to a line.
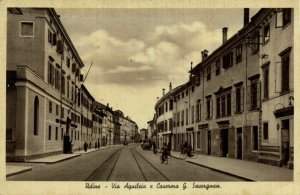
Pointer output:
x,y
164,153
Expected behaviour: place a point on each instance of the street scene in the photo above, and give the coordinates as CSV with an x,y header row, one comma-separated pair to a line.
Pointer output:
x,y
150,94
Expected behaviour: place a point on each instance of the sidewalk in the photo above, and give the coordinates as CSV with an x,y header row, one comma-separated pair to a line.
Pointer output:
x,y
16,169
248,170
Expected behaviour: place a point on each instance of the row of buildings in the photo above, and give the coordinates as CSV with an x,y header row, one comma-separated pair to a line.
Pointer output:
x,y
239,100
47,105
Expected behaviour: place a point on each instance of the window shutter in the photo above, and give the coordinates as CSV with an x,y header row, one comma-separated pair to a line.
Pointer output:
x,y
54,38
278,77
233,101
258,102
248,97
49,73
49,36
211,108
242,99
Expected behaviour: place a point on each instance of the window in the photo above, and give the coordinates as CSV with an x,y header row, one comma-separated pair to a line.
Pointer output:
x,y
253,93
198,111
51,73
224,104
68,62
50,106
228,60
239,98
62,133
266,33
36,116
285,70
238,54
192,114
182,117
170,124
178,119
56,133
208,107
254,138
51,37
182,94
265,131
166,126
57,111
218,69
286,16
57,80
63,88
49,133
9,134
266,82
198,139
171,104
27,29
68,88
208,73
254,42
187,93
166,106
62,112
187,116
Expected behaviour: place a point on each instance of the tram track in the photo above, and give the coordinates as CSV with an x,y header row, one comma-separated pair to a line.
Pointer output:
x,y
135,153
105,166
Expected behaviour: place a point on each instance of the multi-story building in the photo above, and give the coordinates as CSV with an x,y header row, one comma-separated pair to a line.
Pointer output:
x,y
164,121
221,111
276,75
43,78
87,102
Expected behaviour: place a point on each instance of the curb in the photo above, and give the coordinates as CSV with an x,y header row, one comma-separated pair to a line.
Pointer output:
x,y
53,162
63,159
19,172
225,172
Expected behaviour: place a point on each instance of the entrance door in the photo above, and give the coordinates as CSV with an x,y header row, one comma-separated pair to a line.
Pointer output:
x,y
239,144
285,141
208,142
224,142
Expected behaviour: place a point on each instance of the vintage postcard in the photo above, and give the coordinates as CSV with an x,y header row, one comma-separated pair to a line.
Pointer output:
x,y
149,96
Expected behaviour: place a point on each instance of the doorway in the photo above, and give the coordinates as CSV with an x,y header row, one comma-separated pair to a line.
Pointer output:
x,y
224,142
208,142
285,141
239,143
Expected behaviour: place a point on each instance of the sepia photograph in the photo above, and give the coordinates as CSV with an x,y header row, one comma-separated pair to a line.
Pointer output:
x,y
137,95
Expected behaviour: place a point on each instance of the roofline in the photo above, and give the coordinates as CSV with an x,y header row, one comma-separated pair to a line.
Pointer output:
x,y
64,32
234,39
87,92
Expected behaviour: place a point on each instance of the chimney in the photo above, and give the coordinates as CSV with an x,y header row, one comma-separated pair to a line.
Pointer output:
x,y
170,86
163,90
204,54
157,98
225,29
107,105
246,16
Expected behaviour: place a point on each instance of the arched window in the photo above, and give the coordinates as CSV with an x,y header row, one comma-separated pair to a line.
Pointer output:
x,y
36,116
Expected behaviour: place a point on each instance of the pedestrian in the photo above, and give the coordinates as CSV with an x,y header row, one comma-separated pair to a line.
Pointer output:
x,y
90,145
189,150
85,146
169,148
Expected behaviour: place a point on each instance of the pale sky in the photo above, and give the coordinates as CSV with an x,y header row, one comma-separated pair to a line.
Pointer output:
x,y
137,52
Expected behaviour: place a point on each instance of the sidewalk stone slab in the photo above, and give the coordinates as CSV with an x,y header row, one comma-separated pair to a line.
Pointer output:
x,y
14,169
53,159
241,168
